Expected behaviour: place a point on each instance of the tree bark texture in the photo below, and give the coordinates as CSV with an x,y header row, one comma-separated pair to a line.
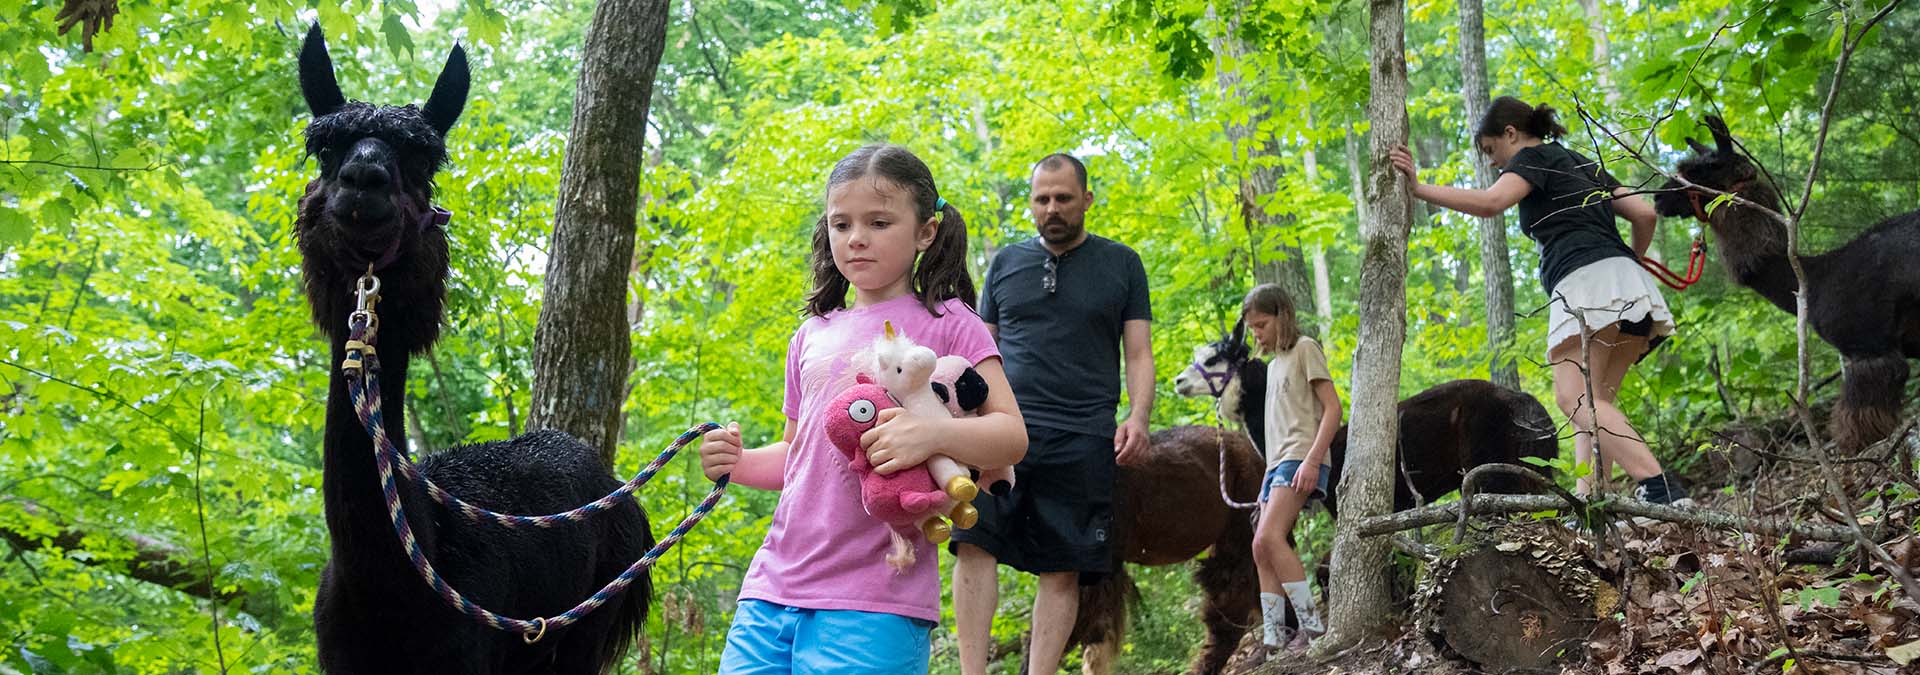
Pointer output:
x,y
1494,263
1259,157
581,345
1359,601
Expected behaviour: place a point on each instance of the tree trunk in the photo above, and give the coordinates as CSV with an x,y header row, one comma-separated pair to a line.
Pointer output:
x,y
1322,285
581,345
1602,54
1259,156
1494,263
1358,597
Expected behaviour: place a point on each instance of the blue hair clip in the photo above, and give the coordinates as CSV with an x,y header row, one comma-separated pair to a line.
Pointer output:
x,y
940,203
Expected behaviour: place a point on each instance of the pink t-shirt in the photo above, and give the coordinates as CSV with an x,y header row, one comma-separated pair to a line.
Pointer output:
x,y
823,551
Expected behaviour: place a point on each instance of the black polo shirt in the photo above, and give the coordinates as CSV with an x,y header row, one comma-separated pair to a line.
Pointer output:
x,y
1063,348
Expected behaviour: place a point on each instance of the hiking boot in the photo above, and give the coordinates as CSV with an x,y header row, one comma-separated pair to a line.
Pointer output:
x,y
1302,639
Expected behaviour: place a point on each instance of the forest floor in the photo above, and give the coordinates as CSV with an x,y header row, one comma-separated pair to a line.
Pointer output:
x,y
1677,598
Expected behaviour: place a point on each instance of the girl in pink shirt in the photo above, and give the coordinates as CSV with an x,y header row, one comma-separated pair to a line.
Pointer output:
x,y
819,596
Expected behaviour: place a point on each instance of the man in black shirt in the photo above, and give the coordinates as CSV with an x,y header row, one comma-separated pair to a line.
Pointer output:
x,y
1063,307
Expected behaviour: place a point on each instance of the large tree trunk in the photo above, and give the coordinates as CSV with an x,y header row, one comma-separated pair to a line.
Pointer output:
x,y
580,348
1358,598
1282,264
1494,264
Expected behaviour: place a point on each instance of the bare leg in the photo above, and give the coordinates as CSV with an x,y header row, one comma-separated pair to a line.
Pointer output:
x,y
1273,557
1056,603
1611,355
976,594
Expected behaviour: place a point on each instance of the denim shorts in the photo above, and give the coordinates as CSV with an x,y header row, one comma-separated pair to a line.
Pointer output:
x,y
769,638
1282,476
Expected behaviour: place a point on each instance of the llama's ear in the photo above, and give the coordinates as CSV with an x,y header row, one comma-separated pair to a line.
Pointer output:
x,y
1698,149
1239,334
449,92
1721,136
316,75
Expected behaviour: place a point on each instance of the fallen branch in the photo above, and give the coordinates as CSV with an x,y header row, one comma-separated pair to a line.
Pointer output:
x,y
155,561
1489,504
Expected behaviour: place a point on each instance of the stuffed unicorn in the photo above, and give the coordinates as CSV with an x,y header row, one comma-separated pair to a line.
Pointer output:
x,y
906,370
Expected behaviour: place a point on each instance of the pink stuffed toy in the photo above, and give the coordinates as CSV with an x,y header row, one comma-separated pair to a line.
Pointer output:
x,y
903,500
963,391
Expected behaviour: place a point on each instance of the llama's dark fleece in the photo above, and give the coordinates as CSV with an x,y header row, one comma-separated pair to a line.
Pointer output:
x,y
373,613
1862,297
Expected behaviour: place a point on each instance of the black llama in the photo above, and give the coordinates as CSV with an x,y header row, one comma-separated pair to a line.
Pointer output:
x,y
1863,297
371,206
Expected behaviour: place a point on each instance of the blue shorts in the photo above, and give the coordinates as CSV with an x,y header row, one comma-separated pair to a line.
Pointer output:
x,y
1282,476
772,638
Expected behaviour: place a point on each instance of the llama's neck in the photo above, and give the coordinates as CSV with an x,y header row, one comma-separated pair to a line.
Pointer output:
x,y
1754,245
1244,401
365,548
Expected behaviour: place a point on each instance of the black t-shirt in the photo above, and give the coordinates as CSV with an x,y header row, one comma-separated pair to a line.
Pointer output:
x,y
1062,349
1569,212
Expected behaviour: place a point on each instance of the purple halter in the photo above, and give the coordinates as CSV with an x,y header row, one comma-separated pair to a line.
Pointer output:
x,y
1216,382
435,216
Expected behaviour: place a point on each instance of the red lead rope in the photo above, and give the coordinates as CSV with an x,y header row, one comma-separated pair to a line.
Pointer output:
x,y
1696,264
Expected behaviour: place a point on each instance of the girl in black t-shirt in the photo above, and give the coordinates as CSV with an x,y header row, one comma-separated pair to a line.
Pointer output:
x,y
1592,278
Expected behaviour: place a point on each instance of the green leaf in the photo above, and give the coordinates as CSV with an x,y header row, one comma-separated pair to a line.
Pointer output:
x,y
397,37
56,214
1796,43
14,228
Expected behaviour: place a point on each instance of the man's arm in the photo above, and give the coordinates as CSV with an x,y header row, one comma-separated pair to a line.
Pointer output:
x,y
1131,439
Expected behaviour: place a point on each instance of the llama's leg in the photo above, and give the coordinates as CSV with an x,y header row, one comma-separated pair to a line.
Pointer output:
x,y
1869,405
1231,583
1098,658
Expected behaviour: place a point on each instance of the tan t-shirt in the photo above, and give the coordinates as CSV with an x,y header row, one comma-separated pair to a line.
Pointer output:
x,y
1293,412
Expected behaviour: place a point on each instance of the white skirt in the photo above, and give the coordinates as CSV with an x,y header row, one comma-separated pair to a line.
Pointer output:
x,y
1604,292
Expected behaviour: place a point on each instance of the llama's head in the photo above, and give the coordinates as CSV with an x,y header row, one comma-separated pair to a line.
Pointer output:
x,y
1721,167
372,204
1214,365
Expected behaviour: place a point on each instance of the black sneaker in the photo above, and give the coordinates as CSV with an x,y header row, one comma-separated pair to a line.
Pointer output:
x,y
1661,489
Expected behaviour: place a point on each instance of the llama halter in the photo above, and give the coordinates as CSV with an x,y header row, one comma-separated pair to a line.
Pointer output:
x,y
362,368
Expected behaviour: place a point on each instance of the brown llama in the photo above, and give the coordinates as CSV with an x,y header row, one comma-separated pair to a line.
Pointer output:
x,y
1168,510
1863,297
1445,431
371,208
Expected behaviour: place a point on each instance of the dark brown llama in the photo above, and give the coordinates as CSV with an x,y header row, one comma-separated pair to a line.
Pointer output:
x,y
1168,510
1445,431
1863,297
371,208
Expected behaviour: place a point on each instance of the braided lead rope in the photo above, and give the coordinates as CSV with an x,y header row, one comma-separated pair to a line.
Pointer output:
x,y
1220,439
364,388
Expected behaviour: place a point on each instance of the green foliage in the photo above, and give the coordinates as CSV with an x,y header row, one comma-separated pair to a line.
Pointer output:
x,y
159,378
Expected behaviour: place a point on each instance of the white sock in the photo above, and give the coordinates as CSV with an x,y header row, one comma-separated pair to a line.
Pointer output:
x,y
1273,615
1301,595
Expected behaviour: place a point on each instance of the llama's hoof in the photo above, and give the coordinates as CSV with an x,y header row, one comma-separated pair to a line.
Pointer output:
x,y
937,531
962,489
964,515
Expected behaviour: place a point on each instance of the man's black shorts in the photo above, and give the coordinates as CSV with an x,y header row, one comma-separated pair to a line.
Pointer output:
x,y
1059,515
